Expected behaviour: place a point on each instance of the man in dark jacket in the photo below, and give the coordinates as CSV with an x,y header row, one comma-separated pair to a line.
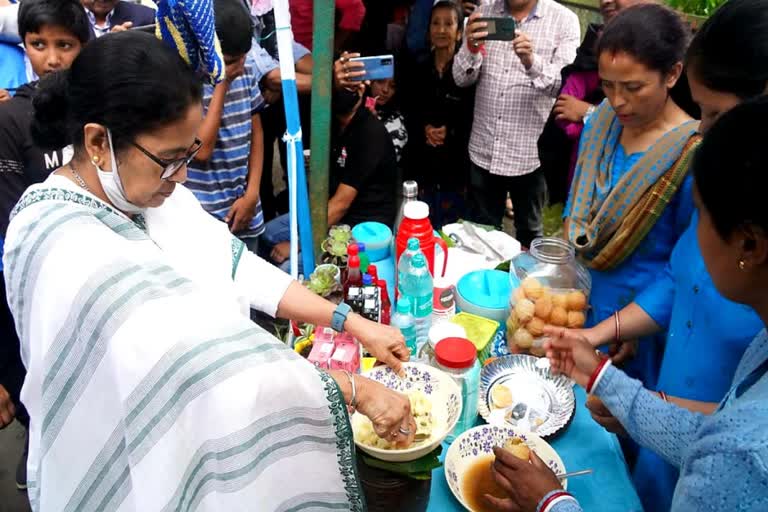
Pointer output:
x,y
53,32
116,15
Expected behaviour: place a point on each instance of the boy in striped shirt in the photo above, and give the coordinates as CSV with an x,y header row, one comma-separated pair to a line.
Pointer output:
x,y
226,173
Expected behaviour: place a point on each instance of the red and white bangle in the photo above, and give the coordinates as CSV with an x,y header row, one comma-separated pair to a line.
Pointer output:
x,y
553,500
663,396
594,380
617,330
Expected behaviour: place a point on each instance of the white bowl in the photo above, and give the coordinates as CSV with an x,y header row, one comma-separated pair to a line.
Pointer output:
x,y
443,393
479,442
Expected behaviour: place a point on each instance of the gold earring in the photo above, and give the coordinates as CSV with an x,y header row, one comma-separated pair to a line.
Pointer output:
x,y
95,159
742,265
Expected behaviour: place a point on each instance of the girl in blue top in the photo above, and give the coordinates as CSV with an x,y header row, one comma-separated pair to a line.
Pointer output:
x,y
722,457
707,333
631,194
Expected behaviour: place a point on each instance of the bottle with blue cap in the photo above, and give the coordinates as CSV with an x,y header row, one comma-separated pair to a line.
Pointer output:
x,y
417,286
403,320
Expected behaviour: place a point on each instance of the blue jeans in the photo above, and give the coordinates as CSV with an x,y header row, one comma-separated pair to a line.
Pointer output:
x,y
278,230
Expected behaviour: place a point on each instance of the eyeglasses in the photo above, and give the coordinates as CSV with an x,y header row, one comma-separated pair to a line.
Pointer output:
x,y
171,167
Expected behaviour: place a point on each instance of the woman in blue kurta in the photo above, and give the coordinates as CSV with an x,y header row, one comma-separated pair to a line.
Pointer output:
x,y
631,197
723,456
707,333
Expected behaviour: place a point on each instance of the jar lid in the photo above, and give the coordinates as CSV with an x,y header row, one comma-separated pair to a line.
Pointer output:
x,y
487,289
455,353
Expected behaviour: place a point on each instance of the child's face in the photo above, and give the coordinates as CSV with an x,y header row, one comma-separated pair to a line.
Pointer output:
x,y
51,49
444,28
383,90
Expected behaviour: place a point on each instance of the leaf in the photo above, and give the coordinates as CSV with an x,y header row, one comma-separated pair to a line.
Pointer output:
x,y
419,469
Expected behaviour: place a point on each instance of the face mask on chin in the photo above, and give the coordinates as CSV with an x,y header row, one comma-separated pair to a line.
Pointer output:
x,y
113,186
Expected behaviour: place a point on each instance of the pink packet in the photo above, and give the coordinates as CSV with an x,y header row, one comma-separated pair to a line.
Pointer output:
x,y
346,357
321,354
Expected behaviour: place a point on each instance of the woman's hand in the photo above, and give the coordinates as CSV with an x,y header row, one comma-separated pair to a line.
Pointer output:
x,y
384,342
389,411
344,70
604,418
526,482
571,354
623,351
569,108
435,136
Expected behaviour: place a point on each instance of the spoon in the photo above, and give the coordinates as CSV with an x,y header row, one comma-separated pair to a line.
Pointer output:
x,y
458,242
563,476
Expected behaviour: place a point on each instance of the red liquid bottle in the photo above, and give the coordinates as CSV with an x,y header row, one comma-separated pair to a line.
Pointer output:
x,y
354,276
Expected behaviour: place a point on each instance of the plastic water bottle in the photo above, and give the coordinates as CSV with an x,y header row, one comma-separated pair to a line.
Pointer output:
x,y
404,265
403,320
417,286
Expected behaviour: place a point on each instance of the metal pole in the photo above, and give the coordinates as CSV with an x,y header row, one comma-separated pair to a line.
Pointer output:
x,y
322,82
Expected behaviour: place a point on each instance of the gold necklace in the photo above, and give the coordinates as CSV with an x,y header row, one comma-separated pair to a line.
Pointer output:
x,y
79,179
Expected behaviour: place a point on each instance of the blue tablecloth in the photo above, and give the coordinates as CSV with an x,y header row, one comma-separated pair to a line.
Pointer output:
x,y
585,444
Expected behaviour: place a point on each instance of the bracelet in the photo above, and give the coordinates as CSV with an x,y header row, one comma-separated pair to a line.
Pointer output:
x,y
663,396
353,400
617,321
594,380
554,498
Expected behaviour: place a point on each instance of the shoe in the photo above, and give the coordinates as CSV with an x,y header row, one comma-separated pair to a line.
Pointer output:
x,y
21,469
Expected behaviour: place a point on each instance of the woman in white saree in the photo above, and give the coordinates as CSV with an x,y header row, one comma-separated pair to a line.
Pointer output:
x,y
148,386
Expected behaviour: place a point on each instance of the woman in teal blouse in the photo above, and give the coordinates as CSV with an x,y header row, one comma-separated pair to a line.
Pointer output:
x,y
707,333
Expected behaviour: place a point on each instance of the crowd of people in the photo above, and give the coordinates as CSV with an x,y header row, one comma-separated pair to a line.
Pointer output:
x,y
128,294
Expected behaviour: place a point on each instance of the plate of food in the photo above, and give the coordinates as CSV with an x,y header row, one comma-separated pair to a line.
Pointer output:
x,y
520,392
436,405
468,462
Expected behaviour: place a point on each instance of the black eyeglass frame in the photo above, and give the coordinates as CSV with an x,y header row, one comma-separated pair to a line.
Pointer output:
x,y
171,167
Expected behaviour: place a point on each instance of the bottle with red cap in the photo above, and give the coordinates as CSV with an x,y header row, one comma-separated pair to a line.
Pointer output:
x,y
458,358
354,276
386,304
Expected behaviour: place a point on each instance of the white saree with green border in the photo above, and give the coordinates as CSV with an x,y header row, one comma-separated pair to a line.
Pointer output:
x,y
148,386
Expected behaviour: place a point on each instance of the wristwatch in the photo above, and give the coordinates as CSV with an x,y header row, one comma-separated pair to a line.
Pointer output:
x,y
340,316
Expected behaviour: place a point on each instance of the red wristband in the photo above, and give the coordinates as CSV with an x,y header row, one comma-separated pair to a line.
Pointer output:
x,y
552,498
596,373
475,49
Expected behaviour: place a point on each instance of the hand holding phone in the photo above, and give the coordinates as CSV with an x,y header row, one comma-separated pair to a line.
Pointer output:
x,y
476,32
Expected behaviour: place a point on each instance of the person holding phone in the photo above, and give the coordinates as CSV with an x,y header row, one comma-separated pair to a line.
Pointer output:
x,y
517,83
116,16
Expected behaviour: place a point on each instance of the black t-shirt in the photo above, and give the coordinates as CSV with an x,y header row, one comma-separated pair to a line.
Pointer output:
x,y
363,158
22,163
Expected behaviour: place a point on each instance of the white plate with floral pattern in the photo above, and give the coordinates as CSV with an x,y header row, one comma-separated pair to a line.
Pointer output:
x,y
441,390
479,442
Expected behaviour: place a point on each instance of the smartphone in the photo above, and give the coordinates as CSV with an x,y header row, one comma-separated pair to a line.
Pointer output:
x,y
377,67
146,28
499,29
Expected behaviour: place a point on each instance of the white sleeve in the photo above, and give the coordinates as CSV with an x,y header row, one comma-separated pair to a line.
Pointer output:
x,y
9,27
261,282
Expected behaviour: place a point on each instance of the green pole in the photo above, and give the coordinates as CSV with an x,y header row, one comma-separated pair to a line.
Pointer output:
x,y
322,81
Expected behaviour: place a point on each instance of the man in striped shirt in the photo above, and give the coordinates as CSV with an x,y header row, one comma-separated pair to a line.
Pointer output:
x,y
226,173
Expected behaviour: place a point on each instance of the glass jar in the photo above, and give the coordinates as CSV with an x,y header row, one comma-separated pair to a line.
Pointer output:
x,y
458,358
549,287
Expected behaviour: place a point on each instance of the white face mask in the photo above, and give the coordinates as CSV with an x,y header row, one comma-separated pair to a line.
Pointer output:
x,y
113,186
